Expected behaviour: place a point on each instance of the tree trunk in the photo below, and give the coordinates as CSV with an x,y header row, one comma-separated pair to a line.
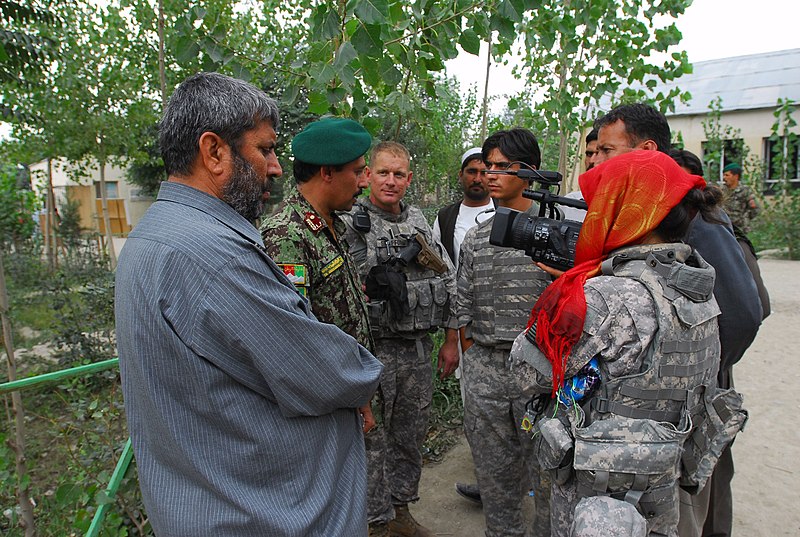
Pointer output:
x,y
106,221
563,138
18,444
485,107
161,72
50,221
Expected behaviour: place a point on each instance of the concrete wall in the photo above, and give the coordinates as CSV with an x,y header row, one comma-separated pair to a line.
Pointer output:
x,y
755,126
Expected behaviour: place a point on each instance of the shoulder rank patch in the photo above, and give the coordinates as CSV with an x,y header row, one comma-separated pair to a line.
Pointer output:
x,y
332,267
313,221
297,274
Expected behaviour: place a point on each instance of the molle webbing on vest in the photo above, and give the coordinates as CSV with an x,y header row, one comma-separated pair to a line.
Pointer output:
x,y
681,358
506,285
632,443
426,290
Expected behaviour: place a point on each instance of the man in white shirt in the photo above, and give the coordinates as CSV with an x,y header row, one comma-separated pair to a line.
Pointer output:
x,y
450,228
454,220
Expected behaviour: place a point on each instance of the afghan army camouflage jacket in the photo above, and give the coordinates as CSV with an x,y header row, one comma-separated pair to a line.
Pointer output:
x,y
741,206
301,243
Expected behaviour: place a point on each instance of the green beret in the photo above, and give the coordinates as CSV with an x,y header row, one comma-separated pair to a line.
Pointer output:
x,y
331,142
734,168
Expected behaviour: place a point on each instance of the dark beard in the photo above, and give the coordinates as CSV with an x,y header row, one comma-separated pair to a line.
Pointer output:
x,y
244,192
476,196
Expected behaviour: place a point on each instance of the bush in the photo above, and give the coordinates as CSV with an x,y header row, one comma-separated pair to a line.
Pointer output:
x,y
778,226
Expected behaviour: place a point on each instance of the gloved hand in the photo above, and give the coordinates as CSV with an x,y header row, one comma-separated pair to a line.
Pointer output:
x,y
385,282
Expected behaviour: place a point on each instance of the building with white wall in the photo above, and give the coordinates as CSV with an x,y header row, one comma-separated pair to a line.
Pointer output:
x,y
81,183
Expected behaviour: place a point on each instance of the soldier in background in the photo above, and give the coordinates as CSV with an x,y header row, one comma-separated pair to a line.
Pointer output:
x,y
497,287
740,203
304,235
410,283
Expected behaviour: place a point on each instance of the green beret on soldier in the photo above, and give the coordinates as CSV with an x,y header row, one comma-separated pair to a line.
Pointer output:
x,y
304,234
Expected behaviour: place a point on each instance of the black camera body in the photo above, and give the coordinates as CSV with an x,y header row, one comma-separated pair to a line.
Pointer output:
x,y
550,240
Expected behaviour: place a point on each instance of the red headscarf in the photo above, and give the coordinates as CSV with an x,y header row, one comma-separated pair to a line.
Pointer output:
x,y
628,197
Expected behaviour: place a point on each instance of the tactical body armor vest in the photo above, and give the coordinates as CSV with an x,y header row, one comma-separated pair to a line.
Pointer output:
x,y
427,290
642,433
506,285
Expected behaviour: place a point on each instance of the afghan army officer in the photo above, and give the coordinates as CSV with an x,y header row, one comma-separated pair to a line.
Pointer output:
x,y
740,203
410,283
304,235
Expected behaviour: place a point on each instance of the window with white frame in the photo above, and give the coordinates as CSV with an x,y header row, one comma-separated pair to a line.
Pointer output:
x,y
781,161
715,160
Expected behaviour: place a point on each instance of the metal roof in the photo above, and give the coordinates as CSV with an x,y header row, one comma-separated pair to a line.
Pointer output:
x,y
743,82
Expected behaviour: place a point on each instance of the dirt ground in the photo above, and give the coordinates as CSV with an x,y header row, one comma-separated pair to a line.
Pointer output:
x,y
766,454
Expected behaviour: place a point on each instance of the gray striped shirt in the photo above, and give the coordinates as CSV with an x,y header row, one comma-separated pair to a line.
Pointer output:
x,y
240,404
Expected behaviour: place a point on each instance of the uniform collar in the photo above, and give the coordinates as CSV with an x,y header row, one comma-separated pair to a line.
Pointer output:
x,y
390,217
310,217
183,194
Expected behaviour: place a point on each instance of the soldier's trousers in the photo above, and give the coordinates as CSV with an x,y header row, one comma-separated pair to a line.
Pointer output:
x,y
494,406
394,460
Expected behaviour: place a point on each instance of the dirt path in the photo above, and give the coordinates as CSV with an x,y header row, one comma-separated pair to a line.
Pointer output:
x,y
767,454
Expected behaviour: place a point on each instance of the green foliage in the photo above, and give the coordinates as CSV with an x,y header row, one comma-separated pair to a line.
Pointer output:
x,y
778,226
24,47
17,207
435,144
76,435
575,54
784,145
146,169
723,145
77,429
69,226
447,411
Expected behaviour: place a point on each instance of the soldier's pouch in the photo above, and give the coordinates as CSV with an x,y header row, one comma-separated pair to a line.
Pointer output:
x,y
439,313
552,445
600,516
632,456
717,420
421,307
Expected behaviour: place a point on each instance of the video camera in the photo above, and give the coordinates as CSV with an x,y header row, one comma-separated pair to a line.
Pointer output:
x,y
548,239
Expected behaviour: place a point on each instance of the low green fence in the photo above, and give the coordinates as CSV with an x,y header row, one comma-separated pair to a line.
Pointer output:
x,y
127,452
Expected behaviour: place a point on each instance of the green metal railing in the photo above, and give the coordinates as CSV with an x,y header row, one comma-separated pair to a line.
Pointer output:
x,y
127,452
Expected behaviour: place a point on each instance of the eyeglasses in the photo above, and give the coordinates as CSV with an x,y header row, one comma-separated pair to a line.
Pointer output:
x,y
504,165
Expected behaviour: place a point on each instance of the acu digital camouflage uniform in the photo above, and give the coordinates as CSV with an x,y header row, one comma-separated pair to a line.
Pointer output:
x,y
404,346
651,321
497,288
319,265
741,206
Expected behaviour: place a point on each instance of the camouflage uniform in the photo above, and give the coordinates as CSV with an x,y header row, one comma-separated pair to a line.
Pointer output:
x,y
497,287
301,243
651,320
741,206
394,461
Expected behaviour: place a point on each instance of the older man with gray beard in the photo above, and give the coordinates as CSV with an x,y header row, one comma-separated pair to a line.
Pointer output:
x,y
241,405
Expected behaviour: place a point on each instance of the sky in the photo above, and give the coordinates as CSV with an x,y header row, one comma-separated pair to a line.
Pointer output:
x,y
712,29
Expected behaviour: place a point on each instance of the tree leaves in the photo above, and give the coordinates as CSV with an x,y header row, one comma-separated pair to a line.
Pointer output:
x,y
372,11
470,41
367,40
